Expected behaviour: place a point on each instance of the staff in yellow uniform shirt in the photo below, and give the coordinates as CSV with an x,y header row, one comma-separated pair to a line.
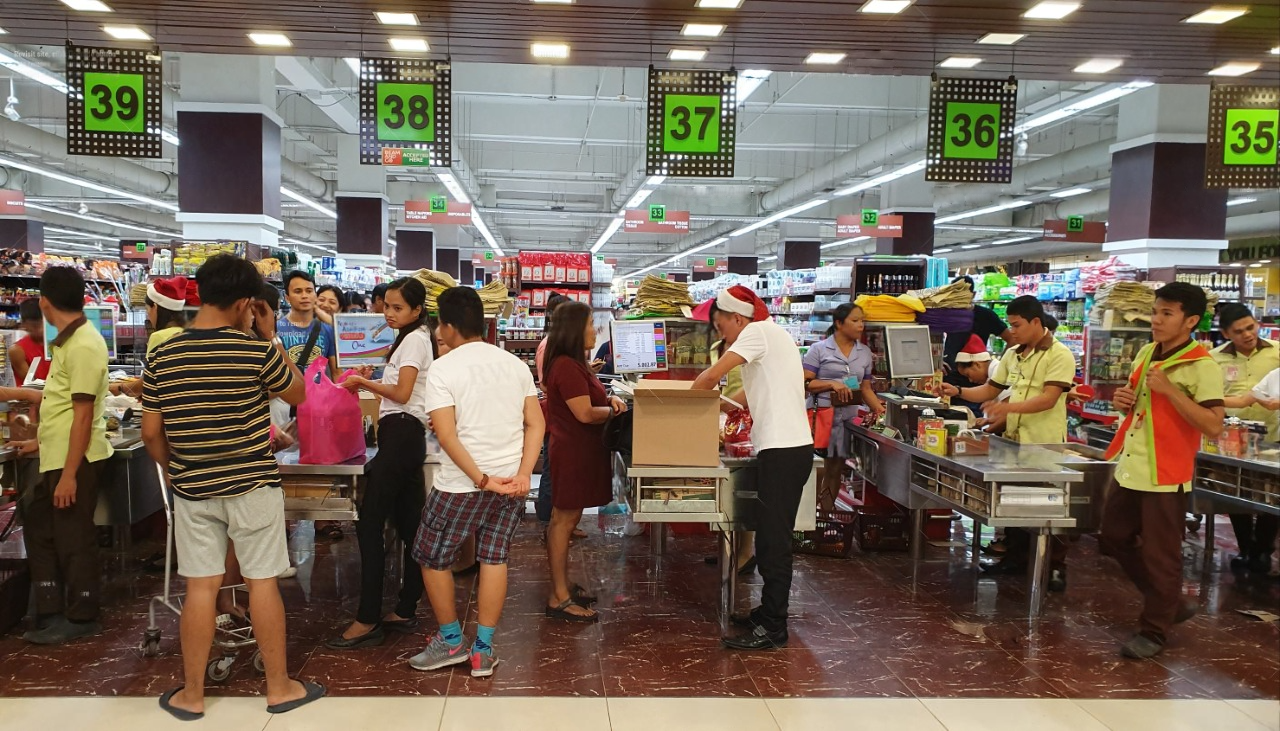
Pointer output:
x,y
1244,361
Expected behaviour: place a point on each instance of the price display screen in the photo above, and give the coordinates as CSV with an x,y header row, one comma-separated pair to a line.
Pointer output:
x,y
102,319
640,346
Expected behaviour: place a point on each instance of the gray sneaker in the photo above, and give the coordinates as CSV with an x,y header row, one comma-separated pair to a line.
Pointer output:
x,y
439,654
483,663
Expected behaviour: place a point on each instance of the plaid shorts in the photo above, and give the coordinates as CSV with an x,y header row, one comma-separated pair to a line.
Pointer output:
x,y
449,518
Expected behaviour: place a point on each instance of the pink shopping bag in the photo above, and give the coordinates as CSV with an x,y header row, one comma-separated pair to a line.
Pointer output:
x,y
330,426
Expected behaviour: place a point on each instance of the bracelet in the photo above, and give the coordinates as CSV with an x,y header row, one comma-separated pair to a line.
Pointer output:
x,y
484,482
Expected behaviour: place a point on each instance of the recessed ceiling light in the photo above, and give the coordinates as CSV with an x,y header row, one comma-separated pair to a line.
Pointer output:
x,y
960,62
3,32
1275,51
88,6
409,45
1069,193
1235,68
720,4
1051,10
702,30
397,18
1099,66
825,58
1218,14
554,2
687,54
1001,39
270,39
126,32
550,50
885,7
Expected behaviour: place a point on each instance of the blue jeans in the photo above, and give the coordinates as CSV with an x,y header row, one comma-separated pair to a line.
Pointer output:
x,y
543,505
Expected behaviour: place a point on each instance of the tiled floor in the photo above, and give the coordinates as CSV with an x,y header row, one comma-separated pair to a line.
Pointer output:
x,y
875,626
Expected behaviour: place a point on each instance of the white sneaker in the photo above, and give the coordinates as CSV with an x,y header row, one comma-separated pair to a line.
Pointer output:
x,y
288,573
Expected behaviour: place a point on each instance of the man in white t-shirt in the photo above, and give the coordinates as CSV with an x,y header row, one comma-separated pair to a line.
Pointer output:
x,y
773,389
484,407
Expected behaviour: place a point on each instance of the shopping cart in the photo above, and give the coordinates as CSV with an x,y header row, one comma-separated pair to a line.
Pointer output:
x,y
230,636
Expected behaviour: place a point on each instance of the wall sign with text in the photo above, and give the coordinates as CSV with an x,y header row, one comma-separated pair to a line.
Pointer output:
x,y
406,112
692,126
971,130
114,106
1244,134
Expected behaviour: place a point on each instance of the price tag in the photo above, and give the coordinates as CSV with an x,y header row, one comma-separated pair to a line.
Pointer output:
x,y
113,102
657,213
1075,224
870,217
972,131
406,112
1251,137
691,123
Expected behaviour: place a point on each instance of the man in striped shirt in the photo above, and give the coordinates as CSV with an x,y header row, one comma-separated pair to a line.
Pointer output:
x,y
206,420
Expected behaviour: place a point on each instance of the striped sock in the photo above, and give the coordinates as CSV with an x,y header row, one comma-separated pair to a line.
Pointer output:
x,y
452,633
484,639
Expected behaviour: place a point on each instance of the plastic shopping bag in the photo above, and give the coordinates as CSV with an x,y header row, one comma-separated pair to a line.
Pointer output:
x,y
329,421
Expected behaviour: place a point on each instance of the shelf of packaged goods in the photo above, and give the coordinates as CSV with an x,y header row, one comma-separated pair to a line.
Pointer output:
x,y
544,285
1105,419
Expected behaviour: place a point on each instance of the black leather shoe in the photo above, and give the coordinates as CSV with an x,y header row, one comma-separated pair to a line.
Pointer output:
x,y
757,639
372,638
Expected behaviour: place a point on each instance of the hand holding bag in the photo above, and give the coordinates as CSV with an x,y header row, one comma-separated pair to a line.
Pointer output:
x,y
330,430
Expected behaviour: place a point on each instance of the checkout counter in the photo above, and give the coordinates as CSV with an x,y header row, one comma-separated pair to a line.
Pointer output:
x,y
1230,484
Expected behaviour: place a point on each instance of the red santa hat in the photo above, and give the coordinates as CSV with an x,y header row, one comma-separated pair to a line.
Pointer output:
x,y
975,351
169,294
742,301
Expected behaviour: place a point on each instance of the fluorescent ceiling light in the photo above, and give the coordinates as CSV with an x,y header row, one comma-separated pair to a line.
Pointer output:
x,y
126,32
1218,14
687,54
1069,193
485,233
1099,66
720,4
1275,51
396,18
81,182
278,40
167,136
553,2
828,59
1007,206
656,180
1079,105
844,242
353,64
104,221
960,62
1235,68
943,251
699,249
971,246
409,45
881,179
35,73
750,80
1001,39
885,7
609,231
640,197
702,30
1241,201
77,234
309,203
550,50
1051,10
1014,240
779,216
3,32
451,184
88,6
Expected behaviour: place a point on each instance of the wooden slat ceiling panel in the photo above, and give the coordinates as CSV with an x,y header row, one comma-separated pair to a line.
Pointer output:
x,y
774,34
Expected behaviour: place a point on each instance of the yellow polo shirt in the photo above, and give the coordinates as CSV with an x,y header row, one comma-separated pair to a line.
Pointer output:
x,y
1201,380
1025,372
160,337
78,372
1241,373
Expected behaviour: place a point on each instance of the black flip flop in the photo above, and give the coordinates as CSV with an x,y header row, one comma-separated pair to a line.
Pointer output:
x,y
579,596
560,613
179,713
315,691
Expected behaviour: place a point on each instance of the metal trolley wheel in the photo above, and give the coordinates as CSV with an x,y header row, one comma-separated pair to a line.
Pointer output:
x,y
151,643
258,663
219,669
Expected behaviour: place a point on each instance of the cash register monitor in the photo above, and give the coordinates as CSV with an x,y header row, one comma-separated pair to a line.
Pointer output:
x,y
101,318
639,346
910,351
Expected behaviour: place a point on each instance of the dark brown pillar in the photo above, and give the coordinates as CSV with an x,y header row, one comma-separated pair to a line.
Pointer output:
x,y
447,262
467,273
415,249
230,163
23,234
916,239
362,225
1157,192
799,254
744,265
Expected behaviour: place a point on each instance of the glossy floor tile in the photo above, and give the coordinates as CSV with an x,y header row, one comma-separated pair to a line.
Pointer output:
x,y
1177,715
853,714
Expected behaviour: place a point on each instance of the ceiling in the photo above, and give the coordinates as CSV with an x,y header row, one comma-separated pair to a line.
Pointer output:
x,y
552,152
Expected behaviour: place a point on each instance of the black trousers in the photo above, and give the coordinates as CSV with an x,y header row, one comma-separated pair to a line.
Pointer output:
x,y
62,545
395,491
783,473
1255,535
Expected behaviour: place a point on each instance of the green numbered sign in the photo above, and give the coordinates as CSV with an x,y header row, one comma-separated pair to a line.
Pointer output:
x,y
870,217
406,112
973,131
140,247
439,204
113,103
488,256
711,261
1251,137
657,213
1075,224
691,123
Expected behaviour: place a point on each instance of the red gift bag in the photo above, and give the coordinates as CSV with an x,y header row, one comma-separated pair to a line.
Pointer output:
x,y
330,426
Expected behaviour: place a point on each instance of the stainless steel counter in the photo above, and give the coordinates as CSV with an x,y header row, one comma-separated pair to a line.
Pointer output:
x,y
1235,485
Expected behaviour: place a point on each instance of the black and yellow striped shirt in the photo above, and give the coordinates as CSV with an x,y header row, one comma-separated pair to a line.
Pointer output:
x,y
211,387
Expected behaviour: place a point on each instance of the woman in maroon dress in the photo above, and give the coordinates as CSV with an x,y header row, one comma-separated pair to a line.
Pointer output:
x,y
577,408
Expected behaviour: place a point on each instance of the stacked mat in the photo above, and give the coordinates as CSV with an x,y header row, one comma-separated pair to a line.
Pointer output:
x,y
954,296
661,297
1129,300
494,294
887,308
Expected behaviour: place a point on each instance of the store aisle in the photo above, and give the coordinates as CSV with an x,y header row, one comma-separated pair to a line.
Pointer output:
x,y
635,714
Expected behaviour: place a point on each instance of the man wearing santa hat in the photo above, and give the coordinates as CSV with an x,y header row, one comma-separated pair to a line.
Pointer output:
x,y
973,364
166,299
773,388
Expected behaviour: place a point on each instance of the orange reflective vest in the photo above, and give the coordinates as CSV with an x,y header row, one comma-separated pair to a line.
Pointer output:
x,y
1173,456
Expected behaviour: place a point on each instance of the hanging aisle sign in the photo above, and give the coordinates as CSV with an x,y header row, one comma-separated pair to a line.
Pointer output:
x,y
656,220
692,126
114,102
406,112
888,226
437,212
1244,126
971,130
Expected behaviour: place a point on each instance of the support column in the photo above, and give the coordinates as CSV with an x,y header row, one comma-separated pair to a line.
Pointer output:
x,y
800,245
742,256
1160,212
447,261
362,208
911,198
415,249
230,151
24,234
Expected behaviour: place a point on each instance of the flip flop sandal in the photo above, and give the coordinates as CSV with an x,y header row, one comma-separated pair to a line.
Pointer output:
x,y
315,691
579,596
561,612
179,713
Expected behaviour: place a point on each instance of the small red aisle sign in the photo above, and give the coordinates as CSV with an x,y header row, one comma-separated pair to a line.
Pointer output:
x,y
437,212
646,221
1094,232
888,226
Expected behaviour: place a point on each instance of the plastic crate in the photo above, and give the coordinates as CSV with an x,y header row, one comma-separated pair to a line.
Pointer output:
x,y
883,529
835,535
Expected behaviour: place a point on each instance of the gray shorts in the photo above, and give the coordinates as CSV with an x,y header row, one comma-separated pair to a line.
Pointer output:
x,y
254,522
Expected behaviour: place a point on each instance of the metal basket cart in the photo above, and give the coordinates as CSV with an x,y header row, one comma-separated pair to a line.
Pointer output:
x,y
229,637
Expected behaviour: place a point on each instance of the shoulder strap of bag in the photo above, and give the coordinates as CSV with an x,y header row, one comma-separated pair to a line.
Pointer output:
x,y
305,358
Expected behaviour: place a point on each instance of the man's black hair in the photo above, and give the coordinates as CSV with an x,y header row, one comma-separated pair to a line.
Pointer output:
x,y
1028,308
29,310
1189,297
224,280
379,292
295,274
461,308
1231,313
64,288
270,295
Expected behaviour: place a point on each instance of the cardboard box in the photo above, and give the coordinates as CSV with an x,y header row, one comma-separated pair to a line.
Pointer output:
x,y
675,425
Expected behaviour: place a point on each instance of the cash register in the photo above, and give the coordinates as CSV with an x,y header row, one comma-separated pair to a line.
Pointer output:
x,y
910,354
